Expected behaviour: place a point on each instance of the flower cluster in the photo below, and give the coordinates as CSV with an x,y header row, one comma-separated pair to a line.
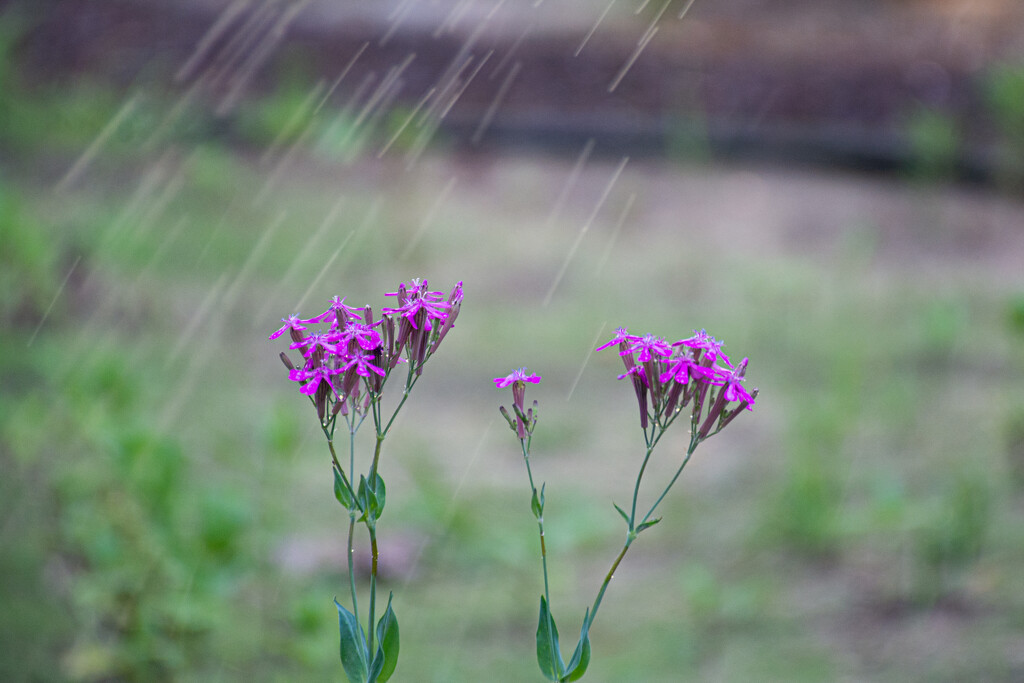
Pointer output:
x,y
346,365
667,377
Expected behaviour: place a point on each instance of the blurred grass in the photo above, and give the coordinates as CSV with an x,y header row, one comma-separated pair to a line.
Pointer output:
x,y
165,503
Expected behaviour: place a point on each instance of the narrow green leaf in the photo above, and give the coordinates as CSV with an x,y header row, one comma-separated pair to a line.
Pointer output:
x,y
550,661
647,525
380,493
622,512
537,503
581,656
361,493
353,645
342,491
386,659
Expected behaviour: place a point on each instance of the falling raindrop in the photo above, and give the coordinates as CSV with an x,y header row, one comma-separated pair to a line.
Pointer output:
x,y
583,231
586,359
60,290
593,29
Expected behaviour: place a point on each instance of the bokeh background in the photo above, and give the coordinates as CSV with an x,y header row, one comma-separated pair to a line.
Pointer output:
x,y
833,188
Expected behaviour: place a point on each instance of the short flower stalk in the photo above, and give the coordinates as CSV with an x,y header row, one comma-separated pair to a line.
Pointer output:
x,y
345,371
691,377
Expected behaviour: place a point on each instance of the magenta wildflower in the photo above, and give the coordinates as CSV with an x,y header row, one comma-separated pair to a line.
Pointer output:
x,y
313,378
647,346
315,341
682,368
292,322
525,419
729,380
711,346
429,302
621,336
516,376
360,362
338,310
364,335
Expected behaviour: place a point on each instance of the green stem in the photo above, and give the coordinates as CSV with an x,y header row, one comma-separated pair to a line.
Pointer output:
x,y
608,578
543,560
410,381
373,585
351,518
351,569
639,477
689,454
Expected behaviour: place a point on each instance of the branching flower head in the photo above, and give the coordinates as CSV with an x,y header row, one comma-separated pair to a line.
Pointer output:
x,y
364,350
668,377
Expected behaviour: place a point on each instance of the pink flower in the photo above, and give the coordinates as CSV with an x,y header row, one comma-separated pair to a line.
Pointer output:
x,y
313,378
647,346
621,336
364,335
683,367
292,322
317,340
338,310
729,380
360,362
711,346
516,376
517,380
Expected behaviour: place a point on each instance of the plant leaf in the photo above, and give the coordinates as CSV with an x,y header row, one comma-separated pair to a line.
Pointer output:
x,y
353,645
361,494
581,657
648,524
550,662
386,659
379,494
622,512
342,491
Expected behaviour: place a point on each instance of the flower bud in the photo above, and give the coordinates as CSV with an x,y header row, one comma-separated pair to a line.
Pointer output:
x,y
508,418
713,414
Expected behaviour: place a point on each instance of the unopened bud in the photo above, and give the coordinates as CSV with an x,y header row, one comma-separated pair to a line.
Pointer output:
x,y
713,414
287,361
731,414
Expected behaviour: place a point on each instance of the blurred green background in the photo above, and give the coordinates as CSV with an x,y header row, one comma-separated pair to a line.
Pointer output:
x,y
166,505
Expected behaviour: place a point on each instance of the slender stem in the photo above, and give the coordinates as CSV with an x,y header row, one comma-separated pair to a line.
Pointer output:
x,y
526,459
543,560
373,584
351,569
689,454
608,578
351,514
410,381
352,521
639,477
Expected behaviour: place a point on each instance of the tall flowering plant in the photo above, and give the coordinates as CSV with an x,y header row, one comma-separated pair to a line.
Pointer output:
x,y
344,371
691,377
